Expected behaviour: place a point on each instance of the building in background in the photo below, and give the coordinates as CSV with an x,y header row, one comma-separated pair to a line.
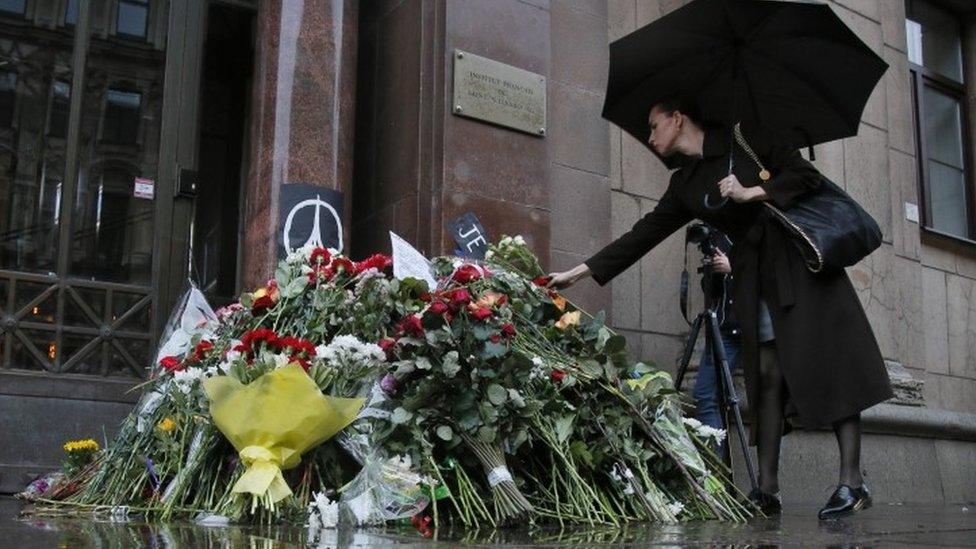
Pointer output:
x,y
193,115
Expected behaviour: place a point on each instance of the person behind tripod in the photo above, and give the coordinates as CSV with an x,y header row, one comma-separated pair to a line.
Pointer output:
x,y
706,384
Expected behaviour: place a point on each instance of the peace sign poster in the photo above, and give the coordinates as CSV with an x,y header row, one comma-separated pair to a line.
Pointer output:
x,y
308,215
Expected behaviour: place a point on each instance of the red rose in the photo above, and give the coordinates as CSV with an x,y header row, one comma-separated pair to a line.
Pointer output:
x,y
202,348
508,329
410,325
557,376
460,297
467,273
481,313
438,308
171,364
495,338
320,256
541,281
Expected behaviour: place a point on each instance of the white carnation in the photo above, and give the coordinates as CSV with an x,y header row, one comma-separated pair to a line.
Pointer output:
x,y
676,508
691,422
322,513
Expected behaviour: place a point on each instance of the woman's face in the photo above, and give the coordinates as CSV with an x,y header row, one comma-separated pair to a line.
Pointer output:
x,y
665,127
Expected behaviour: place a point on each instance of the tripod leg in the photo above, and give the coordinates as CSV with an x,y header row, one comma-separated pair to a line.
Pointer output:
x,y
679,376
730,397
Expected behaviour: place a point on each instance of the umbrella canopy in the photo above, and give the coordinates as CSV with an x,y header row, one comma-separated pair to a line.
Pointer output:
x,y
793,69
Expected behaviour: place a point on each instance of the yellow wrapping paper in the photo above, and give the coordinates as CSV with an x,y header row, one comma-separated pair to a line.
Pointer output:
x,y
272,421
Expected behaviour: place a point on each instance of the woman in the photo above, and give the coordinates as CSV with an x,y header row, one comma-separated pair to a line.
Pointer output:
x,y
808,352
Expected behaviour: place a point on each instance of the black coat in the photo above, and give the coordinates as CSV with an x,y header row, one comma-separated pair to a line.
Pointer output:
x,y
826,349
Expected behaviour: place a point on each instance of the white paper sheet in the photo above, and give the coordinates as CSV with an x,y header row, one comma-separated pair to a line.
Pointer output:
x,y
409,263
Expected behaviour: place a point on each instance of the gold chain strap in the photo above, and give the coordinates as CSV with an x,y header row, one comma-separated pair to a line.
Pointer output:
x,y
741,140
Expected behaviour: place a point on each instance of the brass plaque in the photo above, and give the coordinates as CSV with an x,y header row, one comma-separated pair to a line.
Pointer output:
x,y
498,93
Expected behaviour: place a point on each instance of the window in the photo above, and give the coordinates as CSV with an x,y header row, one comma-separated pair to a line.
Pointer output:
x,y
16,7
935,56
60,106
121,124
132,17
8,95
71,12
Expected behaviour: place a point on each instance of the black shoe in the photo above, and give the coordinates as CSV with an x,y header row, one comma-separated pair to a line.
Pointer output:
x,y
768,503
844,501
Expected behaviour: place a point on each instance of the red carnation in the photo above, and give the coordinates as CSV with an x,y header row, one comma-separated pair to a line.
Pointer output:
x,y
320,272
320,256
410,325
438,307
303,362
557,376
387,344
376,261
467,273
345,264
250,340
508,329
200,351
171,364
297,345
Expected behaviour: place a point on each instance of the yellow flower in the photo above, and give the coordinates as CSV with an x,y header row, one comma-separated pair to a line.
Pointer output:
x,y
166,425
568,319
78,446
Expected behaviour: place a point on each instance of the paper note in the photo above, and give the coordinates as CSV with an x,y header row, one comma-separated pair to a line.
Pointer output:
x,y
409,263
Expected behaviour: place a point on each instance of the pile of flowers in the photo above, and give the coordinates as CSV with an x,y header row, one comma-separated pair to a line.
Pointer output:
x,y
484,400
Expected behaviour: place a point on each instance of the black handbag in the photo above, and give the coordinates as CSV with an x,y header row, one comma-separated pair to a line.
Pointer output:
x,y
831,229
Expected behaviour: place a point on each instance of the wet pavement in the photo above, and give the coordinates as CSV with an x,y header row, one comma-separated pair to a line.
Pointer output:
x,y
881,526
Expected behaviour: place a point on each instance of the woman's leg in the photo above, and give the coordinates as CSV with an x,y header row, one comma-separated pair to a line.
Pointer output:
x,y
848,433
770,418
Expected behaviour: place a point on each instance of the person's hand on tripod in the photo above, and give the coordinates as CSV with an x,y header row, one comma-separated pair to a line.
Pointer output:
x,y
720,263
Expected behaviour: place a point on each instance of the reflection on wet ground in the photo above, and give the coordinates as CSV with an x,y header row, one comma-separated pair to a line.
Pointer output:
x,y
882,526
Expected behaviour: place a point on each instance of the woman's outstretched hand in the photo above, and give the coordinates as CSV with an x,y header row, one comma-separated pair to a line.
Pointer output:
x,y
565,279
731,187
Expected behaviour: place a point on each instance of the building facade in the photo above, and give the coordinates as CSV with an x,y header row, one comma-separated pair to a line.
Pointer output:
x,y
193,115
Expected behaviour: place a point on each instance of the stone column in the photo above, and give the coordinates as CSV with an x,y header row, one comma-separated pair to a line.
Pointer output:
x,y
303,106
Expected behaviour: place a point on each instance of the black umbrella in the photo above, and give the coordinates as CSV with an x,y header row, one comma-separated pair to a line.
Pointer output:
x,y
794,69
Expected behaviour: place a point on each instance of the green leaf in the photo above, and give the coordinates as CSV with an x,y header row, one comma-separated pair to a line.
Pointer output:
x,y
487,434
615,344
445,433
451,365
580,451
497,394
401,416
469,421
495,350
591,367
282,277
564,427
294,288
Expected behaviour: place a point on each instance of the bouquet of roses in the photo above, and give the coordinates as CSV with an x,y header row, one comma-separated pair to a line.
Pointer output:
x,y
484,399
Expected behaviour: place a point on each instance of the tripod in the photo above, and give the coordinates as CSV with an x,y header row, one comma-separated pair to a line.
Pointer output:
x,y
727,398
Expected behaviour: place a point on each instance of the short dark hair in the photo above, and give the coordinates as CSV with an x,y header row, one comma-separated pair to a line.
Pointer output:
x,y
684,105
